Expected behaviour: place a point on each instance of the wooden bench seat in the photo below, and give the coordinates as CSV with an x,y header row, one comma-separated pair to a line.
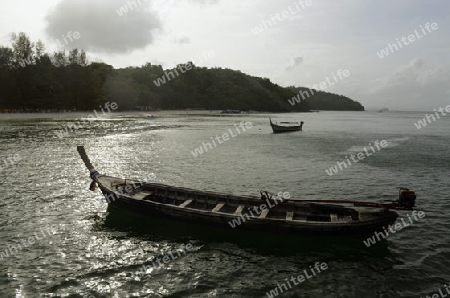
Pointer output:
x,y
239,210
218,207
185,203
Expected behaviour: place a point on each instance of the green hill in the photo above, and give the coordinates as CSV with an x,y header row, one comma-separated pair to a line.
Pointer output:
x,y
202,88
32,79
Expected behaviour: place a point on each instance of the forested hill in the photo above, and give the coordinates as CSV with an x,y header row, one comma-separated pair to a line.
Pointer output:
x,y
320,100
199,87
32,79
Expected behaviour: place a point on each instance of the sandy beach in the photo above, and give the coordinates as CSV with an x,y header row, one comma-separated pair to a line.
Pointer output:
x,y
78,115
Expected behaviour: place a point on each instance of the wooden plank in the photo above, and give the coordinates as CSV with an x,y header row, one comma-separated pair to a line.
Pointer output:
x,y
218,207
239,210
289,215
140,195
264,213
185,203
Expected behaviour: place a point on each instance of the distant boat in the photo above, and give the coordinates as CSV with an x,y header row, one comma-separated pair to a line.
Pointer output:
x,y
150,116
230,112
277,214
383,110
286,126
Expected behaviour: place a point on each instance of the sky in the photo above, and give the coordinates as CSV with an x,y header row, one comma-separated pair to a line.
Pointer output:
x,y
395,54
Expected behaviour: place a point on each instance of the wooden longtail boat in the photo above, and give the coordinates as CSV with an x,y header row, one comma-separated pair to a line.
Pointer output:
x,y
267,213
286,126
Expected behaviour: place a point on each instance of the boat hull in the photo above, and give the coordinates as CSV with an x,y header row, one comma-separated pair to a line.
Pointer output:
x,y
211,208
285,128
281,129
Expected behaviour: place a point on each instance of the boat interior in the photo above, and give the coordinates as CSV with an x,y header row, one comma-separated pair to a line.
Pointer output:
x,y
271,207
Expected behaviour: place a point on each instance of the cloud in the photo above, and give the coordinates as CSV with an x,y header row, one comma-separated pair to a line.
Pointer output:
x,y
113,26
157,62
416,84
297,62
206,2
5,40
182,40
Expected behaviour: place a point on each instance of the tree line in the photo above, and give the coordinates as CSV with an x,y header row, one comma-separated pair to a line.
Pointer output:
x,y
31,78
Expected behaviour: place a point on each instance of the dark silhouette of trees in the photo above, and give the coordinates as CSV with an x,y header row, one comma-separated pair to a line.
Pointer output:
x,y
321,100
31,78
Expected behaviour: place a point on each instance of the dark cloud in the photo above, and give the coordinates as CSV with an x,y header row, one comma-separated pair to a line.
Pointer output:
x,y
111,26
297,62
182,40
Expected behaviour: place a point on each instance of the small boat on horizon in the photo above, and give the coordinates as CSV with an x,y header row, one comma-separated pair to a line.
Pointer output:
x,y
269,212
230,111
285,126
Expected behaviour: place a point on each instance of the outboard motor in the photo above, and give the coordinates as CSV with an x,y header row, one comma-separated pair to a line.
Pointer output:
x,y
406,198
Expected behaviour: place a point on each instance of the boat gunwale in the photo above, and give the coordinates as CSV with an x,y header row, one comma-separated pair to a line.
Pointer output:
x,y
292,203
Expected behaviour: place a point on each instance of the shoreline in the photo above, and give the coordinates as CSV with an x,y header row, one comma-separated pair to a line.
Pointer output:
x,y
144,114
